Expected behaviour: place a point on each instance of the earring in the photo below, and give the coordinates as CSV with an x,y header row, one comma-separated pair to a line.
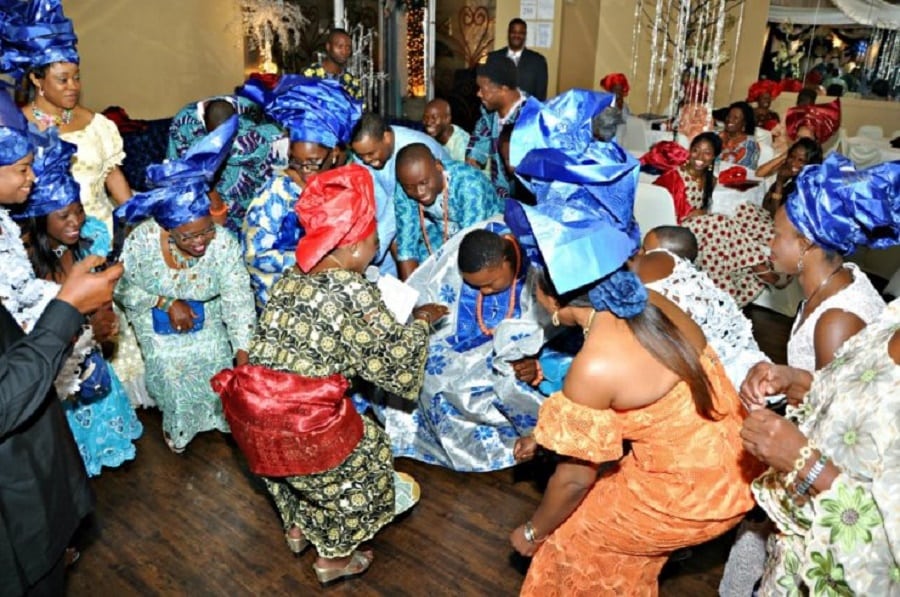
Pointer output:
x,y
554,318
355,253
41,91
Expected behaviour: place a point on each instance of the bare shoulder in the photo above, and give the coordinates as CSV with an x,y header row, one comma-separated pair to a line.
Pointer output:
x,y
652,267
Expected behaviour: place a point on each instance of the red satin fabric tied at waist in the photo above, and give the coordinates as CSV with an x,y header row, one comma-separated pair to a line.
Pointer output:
x,y
286,424
733,175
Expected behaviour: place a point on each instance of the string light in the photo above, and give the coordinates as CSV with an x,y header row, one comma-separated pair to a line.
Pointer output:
x,y
415,51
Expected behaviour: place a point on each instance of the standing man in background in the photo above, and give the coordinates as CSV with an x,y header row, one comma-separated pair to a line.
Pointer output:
x,y
338,50
531,66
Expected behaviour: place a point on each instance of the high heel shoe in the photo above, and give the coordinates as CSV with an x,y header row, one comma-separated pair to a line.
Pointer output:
x,y
359,563
296,544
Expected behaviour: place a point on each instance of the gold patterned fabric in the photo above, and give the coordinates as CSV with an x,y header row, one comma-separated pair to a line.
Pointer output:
x,y
335,322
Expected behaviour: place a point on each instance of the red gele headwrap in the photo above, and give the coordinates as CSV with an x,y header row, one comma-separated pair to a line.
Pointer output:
x,y
792,85
763,86
665,156
823,119
336,209
613,79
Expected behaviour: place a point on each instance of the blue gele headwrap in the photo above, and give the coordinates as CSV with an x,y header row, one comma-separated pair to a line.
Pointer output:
x,y
314,110
35,33
181,185
583,224
55,187
841,208
14,139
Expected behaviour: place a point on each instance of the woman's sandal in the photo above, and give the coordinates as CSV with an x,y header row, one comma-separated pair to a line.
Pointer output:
x,y
359,563
296,544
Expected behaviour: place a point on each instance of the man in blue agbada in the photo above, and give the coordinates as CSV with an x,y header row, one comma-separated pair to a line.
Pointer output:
x,y
434,200
319,115
483,386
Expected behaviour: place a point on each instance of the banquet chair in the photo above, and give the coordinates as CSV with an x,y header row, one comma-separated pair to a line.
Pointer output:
x,y
872,131
653,206
635,137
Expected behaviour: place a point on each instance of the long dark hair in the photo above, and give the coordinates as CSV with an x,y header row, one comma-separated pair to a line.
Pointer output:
x,y
659,336
709,179
44,261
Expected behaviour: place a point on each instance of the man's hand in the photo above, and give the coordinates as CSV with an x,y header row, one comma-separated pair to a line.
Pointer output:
x,y
88,291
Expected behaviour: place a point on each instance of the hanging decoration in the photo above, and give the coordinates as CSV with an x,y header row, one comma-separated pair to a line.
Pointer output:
x,y
415,52
264,21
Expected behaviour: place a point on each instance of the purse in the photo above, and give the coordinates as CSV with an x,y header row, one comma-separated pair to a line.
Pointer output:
x,y
163,327
96,381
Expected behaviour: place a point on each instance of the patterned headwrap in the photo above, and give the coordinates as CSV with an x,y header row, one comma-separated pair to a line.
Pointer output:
x,y
841,208
52,162
583,224
773,88
314,110
823,119
14,141
613,79
336,209
35,33
180,196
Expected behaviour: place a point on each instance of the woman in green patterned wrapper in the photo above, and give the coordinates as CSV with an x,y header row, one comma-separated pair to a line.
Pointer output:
x,y
329,471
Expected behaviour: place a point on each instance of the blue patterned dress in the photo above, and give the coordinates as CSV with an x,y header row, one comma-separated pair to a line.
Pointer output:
x,y
253,158
271,233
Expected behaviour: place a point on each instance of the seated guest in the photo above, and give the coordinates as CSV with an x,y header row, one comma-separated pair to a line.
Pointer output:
x,y
739,145
44,492
438,123
664,265
819,122
329,470
802,153
338,49
762,93
829,464
99,414
434,200
501,103
186,291
664,391
252,158
376,144
319,115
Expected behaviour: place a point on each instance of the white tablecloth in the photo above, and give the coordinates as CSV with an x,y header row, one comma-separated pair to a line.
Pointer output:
x,y
864,151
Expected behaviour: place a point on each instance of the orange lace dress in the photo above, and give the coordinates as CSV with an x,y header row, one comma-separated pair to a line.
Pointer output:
x,y
686,480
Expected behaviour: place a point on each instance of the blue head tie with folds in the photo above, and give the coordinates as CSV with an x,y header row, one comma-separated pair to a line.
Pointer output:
x,y
55,187
14,138
314,110
181,185
841,208
35,33
583,225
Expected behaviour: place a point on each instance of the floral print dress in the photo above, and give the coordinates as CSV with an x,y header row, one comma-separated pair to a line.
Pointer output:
x,y
846,540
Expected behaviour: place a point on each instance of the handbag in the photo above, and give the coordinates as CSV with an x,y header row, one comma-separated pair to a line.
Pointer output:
x,y
163,327
96,381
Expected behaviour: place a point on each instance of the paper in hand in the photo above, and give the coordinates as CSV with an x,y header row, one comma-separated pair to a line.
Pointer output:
x,y
398,297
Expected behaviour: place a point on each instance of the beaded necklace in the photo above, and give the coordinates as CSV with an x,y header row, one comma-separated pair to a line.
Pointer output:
x,y
445,213
47,120
181,262
479,317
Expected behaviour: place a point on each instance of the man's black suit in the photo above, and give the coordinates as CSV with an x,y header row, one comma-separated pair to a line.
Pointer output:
x,y
532,71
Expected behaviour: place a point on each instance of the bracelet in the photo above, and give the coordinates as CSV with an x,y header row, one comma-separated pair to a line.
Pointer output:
x,y
803,487
775,196
540,374
528,531
806,453
165,303
221,211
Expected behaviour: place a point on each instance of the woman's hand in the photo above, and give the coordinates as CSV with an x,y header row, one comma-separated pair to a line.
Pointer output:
x,y
430,313
105,324
772,439
241,358
521,544
526,369
768,379
181,316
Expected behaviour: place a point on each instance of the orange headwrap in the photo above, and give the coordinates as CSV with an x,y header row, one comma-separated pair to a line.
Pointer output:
x,y
823,119
613,79
763,86
336,209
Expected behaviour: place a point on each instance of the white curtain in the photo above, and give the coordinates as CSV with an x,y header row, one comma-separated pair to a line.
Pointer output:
x,y
874,13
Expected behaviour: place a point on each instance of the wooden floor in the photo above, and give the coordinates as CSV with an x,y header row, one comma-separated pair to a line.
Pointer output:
x,y
200,524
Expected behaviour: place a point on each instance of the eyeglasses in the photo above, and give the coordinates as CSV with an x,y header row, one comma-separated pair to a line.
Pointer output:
x,y
206,233
309,167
